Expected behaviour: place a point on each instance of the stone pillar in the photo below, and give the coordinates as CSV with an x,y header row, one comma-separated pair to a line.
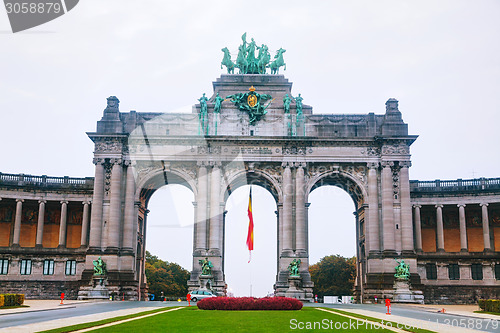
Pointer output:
x,y
439,228
406,213
85,223
215,212
287,209
486,227
463,228
280,226
388,208
201,216
17,222
418,229
98,197
115,206
300,212
62,224
130,215
373,230
41,220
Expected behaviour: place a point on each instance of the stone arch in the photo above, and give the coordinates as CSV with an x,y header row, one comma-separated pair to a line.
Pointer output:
x,y
254,177
157,178
342,179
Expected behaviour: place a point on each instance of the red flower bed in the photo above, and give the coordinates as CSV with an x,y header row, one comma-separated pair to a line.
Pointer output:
x,y
249,303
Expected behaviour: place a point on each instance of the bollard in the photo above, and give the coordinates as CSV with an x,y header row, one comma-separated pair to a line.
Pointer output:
x,y
62,298
388,305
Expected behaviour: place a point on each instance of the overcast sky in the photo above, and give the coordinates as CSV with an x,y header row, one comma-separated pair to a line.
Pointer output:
x,y
440,59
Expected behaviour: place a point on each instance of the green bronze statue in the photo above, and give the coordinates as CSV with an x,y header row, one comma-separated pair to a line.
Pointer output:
x,y
206,266
402,270
203,116
277,62
286,103
99,267
248,63
226,61
252,103
218,103
298,102
293,268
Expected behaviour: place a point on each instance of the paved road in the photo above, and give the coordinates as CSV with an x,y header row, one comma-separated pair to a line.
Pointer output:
x,y
65,312
420,314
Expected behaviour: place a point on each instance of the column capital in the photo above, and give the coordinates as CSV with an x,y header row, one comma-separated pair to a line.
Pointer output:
x,y
64,202
19,200
42,201
483,204
300,164
202,163
98,161
86,202
215,164
417,206
438,206
287,164
127,163
116,161
461,205
373,165
405,164
387,164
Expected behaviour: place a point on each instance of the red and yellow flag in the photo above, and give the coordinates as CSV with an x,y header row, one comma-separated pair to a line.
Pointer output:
x,y
250,225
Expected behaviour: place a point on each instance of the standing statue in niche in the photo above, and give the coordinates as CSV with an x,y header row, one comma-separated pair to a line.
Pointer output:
x,y
206,266
293,268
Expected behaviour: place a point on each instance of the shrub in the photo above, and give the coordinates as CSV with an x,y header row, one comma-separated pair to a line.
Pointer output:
x,y
489,305
250,303
11,299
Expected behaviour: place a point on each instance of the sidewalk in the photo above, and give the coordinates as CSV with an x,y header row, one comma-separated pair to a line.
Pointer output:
x,y
42,305
459,310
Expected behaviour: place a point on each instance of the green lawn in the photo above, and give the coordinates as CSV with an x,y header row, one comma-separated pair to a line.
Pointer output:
x,y
194,320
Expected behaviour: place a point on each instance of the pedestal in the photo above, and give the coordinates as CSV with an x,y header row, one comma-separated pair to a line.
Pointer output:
x,y
295,288
97,290
404,294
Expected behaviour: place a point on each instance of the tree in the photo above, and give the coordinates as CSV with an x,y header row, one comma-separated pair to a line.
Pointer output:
x,y
333,276
165,276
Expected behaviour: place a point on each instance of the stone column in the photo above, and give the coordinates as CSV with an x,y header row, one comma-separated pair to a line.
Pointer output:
x,y
85,223
463,228
373,232
41,220
115,206
406,213
201,216
300,211
98,197
388,208
215,212
439,228
418,229
17,222
130,215
280,226
287,209
62,224
486,227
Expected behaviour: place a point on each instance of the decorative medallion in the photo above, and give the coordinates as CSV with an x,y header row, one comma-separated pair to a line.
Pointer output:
x,y
252,103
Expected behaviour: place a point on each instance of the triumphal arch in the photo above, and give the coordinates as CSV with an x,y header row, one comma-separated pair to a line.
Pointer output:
x,y
253,128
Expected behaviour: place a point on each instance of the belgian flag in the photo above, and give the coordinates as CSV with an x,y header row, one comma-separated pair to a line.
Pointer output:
x,y
250,226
